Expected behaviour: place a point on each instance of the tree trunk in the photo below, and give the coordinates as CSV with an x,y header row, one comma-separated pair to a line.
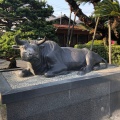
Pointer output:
x,y
72,29
74,8
114,25
94,33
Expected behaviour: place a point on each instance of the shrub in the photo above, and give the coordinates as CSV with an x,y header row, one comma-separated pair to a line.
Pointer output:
x,y
6,42
96,42
116,54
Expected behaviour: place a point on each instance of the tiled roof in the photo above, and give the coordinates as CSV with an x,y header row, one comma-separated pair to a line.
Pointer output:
x,y
52,18
66,27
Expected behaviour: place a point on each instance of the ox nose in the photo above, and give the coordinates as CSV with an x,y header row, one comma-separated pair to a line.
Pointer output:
x,y
30,52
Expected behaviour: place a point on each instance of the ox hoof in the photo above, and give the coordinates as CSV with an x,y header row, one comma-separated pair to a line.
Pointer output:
x,y
48,74
24,73
21,74
81,73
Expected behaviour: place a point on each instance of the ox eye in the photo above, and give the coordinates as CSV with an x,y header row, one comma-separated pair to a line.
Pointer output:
x,y
24,46
34,49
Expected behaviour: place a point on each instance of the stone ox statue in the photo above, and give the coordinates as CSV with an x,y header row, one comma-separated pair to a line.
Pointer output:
x,y
48,58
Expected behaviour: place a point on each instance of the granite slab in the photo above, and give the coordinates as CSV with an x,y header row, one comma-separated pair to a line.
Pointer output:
x,y
16,82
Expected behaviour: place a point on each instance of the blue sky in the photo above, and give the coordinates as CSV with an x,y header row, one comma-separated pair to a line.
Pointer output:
x,y
62,6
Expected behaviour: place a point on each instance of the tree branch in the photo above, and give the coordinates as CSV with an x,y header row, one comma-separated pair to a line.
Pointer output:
x,y
74,7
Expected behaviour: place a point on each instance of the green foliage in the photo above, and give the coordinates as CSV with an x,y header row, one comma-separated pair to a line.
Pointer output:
x,y
107,8
6,42
116,54
96,42
29,16
1,1
103,52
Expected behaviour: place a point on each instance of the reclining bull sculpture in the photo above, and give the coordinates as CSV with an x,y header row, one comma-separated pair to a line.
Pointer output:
x,y
48,58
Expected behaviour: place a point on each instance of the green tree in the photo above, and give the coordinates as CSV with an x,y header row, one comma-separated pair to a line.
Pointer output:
x,y
6,42
29,16
111,10
24,17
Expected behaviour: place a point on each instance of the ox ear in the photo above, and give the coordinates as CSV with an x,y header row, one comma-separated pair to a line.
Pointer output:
x,y
41,47
15,47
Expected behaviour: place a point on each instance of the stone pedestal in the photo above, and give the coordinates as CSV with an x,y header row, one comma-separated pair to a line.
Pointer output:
x,y
94,96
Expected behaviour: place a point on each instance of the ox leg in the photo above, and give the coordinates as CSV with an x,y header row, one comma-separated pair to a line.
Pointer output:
x,y
56,67
85,70
56,70
90,63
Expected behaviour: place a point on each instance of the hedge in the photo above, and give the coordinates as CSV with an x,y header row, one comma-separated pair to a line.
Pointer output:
x,y
104,50
96,42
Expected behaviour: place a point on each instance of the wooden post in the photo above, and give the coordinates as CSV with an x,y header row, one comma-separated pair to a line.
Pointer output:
x,y
77,39
64,40
109,39
73,28
61,19
67,44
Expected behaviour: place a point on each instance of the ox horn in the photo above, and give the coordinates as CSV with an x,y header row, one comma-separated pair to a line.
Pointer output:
x,y
18,41
41,41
